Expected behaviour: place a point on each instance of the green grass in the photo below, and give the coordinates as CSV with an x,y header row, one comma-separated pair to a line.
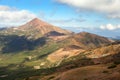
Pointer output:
x,y
11,61
40,54
24,73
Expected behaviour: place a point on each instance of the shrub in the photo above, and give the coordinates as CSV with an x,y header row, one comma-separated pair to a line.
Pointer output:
x,y
51,77
117,62
112,66
105,71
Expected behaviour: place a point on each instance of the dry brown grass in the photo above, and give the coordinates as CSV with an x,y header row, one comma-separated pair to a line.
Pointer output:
x,y
96,72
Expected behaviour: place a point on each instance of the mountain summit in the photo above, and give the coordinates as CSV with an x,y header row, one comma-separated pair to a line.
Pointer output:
x,y
37,22
38,26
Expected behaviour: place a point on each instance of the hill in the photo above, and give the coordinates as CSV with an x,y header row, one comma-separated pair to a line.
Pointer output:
x,y
84,67
88,40
78,43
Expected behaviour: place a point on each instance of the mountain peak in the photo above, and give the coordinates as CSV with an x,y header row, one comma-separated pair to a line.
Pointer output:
x,y
37,21
39,27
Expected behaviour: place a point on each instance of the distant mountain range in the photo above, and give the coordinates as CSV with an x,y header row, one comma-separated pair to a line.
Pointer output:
x,y
2,29
117,37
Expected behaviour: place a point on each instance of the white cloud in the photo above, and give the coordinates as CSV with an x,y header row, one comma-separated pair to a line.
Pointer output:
x,y
12,17
4,8
109,7
109,27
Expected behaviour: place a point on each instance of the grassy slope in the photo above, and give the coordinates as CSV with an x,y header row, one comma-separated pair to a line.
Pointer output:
x,y
93,72
108,69
39,55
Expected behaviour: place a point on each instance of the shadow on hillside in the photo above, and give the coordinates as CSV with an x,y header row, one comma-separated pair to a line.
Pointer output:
x,y
107,59
82,62
14,43
23,73
54,33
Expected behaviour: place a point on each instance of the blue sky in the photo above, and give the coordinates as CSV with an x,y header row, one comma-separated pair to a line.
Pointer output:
x,y
97,16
